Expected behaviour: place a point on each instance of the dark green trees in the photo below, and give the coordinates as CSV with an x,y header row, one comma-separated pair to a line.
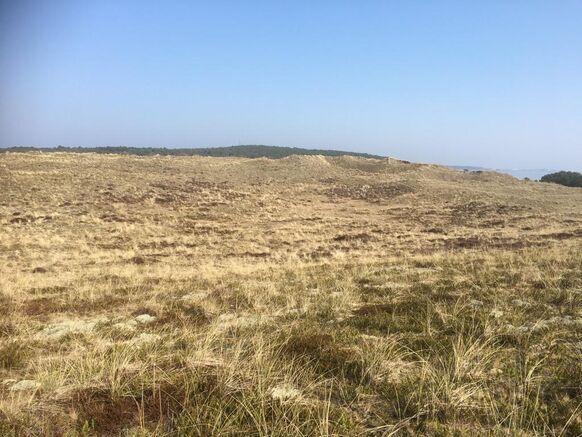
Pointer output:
x,y
567,178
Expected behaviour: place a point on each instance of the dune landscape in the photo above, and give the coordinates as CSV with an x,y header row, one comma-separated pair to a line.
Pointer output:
x,y
308,295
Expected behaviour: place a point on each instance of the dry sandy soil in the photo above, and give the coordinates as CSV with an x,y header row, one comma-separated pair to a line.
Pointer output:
x,y
303,296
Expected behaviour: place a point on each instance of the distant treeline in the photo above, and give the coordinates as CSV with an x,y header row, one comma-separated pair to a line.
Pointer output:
x,y
567,178
250,151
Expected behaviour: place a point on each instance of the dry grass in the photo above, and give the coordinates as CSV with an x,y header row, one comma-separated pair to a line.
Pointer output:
x,y
303,296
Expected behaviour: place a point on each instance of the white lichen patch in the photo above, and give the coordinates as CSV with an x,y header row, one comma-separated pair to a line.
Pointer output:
x,y
127,327
145,319
194,296
394,371
60,329
145,338
284,393
371,338
495,313
25,385
541,325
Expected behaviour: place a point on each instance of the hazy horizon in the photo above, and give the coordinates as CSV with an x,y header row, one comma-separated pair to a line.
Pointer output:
x,y
495,85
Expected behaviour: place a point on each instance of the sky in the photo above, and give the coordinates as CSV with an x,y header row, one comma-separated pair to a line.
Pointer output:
x,y
494,83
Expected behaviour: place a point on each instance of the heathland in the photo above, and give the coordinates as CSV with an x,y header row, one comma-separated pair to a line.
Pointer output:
x,y
246,151
309,295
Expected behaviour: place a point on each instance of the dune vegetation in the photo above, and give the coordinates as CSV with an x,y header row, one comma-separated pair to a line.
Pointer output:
x,y
310,295
566,178
244,151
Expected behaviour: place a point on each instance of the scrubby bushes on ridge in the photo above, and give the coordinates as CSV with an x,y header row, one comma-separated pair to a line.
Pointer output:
x,y
567,178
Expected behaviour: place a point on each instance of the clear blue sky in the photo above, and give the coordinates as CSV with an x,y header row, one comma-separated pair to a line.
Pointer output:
x,y
491,83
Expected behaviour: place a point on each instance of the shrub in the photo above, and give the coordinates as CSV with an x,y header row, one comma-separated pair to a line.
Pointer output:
x,y
567,178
